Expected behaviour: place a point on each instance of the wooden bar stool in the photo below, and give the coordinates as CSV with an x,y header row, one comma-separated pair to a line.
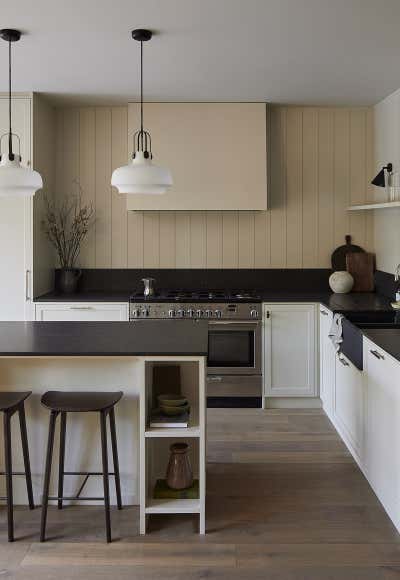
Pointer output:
x,y
62,402
10,403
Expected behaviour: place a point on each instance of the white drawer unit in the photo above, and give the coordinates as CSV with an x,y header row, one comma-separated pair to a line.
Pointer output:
x,y
82,311
290,350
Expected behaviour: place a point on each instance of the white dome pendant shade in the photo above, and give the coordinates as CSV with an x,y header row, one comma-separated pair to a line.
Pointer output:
x,y
15,180
140,176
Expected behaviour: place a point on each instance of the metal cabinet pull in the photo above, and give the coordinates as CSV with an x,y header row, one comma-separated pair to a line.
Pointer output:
x,y
268,314
81,308
377,354
27,293
214,379
344,361
323,312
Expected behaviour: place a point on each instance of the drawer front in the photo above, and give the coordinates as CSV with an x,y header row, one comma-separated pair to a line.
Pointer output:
x,y
82,312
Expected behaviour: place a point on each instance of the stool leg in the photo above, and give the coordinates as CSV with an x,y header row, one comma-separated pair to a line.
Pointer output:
x,y
104,454
63,428
25,451
8,466
115,458
47,474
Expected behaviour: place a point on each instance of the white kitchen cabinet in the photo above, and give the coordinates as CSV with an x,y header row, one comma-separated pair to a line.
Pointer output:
x,y
290,350
382,457
348,405
82,311
327,360
216,152
26,260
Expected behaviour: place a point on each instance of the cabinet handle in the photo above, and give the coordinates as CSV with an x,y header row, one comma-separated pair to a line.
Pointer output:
x,y
323,312
27,293
344,361
377,354
81,307
268,314
214,379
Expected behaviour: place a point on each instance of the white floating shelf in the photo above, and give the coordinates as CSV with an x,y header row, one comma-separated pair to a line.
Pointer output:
x,y
193,431
374,206
173,506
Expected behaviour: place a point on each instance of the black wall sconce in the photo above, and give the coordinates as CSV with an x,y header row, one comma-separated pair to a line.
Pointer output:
x,y
380,179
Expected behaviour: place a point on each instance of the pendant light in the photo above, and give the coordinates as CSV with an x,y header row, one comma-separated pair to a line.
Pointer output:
x,y
140,176
15,180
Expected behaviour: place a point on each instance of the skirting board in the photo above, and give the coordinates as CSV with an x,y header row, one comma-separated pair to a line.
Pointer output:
x,y
292,403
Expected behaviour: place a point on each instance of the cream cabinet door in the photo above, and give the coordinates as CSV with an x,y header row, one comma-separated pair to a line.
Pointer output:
x,y
216,152
348,405
16,248
82,311
327,360
290,350
383,427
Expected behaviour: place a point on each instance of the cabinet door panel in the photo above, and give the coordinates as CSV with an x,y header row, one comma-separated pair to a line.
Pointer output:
x,y
327,360
383,428
290,350
348,408
86,312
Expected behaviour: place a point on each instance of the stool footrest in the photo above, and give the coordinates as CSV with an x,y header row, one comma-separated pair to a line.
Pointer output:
x,y
14,473
86,473
74,498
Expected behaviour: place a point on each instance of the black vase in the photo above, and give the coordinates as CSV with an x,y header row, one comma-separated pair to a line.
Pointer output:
x,y
68,280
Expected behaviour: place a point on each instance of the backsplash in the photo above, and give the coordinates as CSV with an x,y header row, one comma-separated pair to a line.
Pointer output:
x,y
319,163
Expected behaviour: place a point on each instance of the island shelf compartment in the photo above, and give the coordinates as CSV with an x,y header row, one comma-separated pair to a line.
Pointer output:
x,y
155,442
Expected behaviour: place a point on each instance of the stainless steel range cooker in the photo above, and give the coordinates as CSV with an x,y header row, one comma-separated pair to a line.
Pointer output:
x,y
234,367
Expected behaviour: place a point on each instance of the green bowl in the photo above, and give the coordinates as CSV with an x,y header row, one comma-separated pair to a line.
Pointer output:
x,y
174,411
172,400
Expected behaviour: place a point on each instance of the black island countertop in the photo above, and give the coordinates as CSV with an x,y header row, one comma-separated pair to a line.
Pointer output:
x,y
166,337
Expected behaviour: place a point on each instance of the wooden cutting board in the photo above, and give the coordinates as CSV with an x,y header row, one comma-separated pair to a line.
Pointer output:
x,y
338,257
361,266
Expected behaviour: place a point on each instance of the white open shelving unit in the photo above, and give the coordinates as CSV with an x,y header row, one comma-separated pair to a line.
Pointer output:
x,y
155,443
383,205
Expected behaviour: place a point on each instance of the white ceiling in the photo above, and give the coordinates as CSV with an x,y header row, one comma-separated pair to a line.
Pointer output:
x,y
286,51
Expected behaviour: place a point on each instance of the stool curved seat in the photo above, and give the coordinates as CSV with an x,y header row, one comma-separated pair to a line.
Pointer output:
x,y
80,401
9,399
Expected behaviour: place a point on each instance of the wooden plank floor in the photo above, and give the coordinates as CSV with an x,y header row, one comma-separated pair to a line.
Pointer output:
x,y
285,501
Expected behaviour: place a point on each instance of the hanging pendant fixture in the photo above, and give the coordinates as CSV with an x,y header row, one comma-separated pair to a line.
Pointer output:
x,y
15,180
141,176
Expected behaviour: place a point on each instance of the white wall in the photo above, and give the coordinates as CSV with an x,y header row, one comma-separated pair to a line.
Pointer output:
x,y
387,149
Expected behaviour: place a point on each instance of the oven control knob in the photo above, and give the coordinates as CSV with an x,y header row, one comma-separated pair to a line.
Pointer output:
x,y
199,313
209,313
145,313
190,312
181,313
171,313
218,314
135,313
254,313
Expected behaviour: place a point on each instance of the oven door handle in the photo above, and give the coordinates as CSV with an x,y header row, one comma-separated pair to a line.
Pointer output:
x,y
247,322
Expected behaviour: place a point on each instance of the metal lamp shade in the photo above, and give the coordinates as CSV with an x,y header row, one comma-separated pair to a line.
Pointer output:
x,y
380,179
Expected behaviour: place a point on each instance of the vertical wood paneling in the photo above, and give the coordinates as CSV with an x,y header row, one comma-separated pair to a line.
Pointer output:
x,y
151,239
214,239
230,239
167,239
320,161
294,188
103,187
87,178
277,194
198,239
246,239
119,216
182,239
310,188
326,158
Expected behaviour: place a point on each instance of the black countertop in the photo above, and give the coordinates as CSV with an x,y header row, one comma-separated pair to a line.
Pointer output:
x,y
386,338
166,337
361,301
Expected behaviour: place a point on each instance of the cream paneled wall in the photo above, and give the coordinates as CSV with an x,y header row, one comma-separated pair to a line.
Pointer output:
x,y
320,161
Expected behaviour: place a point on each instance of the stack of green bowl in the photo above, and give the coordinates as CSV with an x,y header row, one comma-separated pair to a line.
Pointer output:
x,y
173,405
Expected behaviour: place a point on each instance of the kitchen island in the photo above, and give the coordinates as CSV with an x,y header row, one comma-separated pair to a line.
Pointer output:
x,y
41,356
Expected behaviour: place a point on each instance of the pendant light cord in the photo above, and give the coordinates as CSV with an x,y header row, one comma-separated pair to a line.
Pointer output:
x,y
141,92
10,153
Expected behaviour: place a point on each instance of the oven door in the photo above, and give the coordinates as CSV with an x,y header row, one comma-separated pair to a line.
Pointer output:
x,y
234,348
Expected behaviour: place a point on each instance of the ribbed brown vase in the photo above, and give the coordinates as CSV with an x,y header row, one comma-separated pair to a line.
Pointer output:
x,y
179,470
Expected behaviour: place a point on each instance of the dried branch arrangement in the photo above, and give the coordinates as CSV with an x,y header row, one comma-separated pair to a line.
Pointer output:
x,y
66,225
